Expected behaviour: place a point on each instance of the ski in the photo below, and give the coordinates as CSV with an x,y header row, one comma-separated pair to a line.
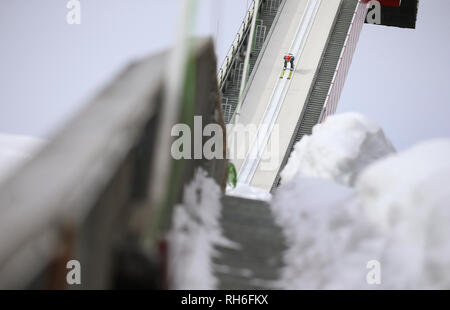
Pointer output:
x,y
282,73
290,74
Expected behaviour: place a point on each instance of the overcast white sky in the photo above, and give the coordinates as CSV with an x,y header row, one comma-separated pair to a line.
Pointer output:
x,y
401,78
48,69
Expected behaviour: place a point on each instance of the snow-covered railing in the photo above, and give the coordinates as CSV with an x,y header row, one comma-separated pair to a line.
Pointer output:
x,y
240,36
345,61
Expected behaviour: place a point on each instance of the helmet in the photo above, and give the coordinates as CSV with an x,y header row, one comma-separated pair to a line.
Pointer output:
x,y
288,57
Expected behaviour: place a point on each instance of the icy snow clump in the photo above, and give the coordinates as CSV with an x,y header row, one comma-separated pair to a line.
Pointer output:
x,y
338,149
196,230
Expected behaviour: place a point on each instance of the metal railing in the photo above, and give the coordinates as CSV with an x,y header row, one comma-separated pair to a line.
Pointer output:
x,y
238,40
260,35
273,6
226,107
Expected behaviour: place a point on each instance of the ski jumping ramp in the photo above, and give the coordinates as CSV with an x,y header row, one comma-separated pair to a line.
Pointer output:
x,y
275,104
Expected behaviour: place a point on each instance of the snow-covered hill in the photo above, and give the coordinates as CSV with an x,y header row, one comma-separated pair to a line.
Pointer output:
x,y
348,200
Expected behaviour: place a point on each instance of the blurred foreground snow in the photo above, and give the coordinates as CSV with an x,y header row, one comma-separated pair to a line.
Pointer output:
x,y
351,200
407,196
195,232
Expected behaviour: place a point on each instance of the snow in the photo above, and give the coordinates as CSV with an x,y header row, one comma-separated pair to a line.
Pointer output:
x,y
407,196
338,149
329,241
402,183
195,233
247,191
357,205
14,151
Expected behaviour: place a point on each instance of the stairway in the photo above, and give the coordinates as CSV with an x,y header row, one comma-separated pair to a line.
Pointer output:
x,y
313,108
257,262
230,93
267,16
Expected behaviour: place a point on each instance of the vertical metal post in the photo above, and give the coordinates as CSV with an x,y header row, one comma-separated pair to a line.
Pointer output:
x,y
174,87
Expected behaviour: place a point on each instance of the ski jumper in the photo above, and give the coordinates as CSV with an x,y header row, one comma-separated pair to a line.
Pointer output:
x,y
289,58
